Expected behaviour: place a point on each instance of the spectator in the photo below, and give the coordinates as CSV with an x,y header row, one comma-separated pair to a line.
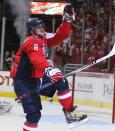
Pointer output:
x,y
7,61
95,39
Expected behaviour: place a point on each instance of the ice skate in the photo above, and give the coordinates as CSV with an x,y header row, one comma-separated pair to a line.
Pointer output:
x,y
74,118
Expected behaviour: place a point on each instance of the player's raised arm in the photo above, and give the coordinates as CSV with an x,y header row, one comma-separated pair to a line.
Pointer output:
x,y
64,29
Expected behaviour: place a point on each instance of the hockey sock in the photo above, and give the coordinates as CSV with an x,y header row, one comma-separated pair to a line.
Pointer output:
x,y
29,127
65,99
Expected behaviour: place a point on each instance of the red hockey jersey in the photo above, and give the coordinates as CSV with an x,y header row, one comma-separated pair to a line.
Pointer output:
x,y
33,50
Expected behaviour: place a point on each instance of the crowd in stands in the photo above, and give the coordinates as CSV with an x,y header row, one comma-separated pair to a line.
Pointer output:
x,y
89,39
8,60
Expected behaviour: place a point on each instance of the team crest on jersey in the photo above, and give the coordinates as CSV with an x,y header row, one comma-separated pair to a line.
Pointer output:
x,y
35,46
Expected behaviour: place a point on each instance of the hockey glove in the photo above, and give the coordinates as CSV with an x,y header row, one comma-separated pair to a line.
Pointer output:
x,y
54,73
68,13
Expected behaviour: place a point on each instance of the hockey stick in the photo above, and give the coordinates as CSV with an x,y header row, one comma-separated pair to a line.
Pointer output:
x,y
112,52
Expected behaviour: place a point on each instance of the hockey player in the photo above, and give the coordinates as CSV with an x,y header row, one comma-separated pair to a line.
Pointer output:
x,y
31,70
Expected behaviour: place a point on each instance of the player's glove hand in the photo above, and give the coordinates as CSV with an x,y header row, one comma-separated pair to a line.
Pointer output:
x,y
54,73
68,13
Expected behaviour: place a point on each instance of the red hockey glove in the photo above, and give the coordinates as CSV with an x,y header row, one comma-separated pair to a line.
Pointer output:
x,y
54,73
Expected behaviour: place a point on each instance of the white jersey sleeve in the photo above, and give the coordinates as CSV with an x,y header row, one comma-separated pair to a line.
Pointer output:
x,y
49,35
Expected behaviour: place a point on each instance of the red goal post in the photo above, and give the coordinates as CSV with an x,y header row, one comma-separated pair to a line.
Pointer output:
x,y
95,93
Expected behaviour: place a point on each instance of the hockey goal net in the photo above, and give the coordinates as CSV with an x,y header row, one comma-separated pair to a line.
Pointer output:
x,y
94,93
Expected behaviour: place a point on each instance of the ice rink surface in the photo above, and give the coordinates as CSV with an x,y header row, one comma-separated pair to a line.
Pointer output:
x,y
52,120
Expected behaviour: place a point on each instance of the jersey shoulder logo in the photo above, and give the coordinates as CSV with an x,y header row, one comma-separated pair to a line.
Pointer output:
x,y
35,46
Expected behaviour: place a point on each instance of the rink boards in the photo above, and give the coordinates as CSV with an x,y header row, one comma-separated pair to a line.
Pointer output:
x,y
92,89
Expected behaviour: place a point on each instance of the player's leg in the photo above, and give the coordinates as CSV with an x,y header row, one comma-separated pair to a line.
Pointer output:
x,y
31,103
65,99
64,94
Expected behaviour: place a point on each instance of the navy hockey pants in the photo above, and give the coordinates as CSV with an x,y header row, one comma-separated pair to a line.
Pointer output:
x,y
31,102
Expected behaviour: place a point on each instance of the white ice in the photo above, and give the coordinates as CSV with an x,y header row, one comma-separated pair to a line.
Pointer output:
x,y
52,120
